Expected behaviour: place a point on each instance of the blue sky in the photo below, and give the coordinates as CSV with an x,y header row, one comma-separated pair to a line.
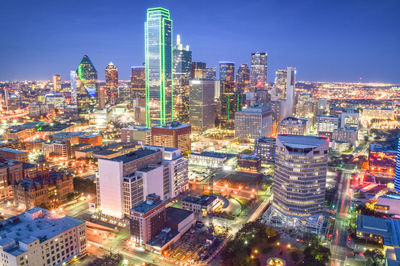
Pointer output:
x,y
326,40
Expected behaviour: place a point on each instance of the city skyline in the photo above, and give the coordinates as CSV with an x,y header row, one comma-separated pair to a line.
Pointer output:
x,y
322,47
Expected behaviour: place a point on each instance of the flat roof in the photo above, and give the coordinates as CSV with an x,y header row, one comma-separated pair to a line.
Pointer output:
x,y
146,206
300,141
214,154
388,229
6,149
65,135
134,155
203,200
172,125
177,215
34,224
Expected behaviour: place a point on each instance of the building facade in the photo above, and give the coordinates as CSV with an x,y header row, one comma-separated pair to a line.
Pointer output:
x,y
174,135
258,71
202,107
158,63
265,148
253,123
112,84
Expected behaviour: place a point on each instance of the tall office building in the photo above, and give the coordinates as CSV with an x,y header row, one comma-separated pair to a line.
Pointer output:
x,y
258,78
138,82
182,70
74,95
243,78
199,70
86,85
202,107
158,63
112,84
211,73
301,164
253,122
285,82
56,83
397,171
265,148
227,76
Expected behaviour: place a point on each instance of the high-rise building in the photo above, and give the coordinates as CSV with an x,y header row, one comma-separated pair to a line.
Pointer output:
x,y
227,76
202,107
284,88
294,126
243,78
74,95
112,84
56,83
253,122
181,72
86,85
138,82
211,73
199,70
258,78
39,237
397,170
326,125
124,181
301,164
230,103
172,134
158,63
265,148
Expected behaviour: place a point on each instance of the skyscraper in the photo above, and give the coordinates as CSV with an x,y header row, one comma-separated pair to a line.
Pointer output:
x,y
202,107
112,83
138,82
211,73
56,82
72,77
86,85
301,164
227,76
243,78
158,62
258,71
397,171
181,72
198,70
284,88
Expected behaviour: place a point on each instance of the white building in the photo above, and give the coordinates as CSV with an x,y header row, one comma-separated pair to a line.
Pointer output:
x,y
124,181
57,100
37,237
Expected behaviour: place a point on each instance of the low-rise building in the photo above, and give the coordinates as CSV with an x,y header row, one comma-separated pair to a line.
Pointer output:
x,y
10,172
92,139
13,154
204,204
210,159
38,237
138,134
249,163
348,135
379,230
293,126
388,204
59,148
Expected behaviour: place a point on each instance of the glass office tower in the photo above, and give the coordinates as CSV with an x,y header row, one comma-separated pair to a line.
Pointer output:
x,y
158,63
111,75
258,70
86,85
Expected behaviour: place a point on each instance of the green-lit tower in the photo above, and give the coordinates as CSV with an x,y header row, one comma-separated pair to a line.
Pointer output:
x,y
86,85
158,63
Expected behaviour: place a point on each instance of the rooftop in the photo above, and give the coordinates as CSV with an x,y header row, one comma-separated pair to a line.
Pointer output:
x,y
66,135
295,120
132,156
147,205
173,125
301,142
214,154
203,200
34,224
6,149
388,229
166,235
176,215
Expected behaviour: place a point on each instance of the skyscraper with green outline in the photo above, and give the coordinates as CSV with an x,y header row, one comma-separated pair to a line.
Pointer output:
x,y
158,63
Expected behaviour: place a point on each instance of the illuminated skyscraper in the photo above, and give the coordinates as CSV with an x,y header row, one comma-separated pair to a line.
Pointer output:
x,y
198,70
280,84
243,78
72,77
86,85
182,72
211,73
112,84
284,88
397,171
202,105
56,82
258,71
227,76
138,82
158,62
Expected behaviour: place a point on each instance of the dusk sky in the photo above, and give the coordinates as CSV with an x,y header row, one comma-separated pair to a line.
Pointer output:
x,y
326,40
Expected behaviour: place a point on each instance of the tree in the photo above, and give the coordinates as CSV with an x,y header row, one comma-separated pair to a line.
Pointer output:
x,y
374,257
